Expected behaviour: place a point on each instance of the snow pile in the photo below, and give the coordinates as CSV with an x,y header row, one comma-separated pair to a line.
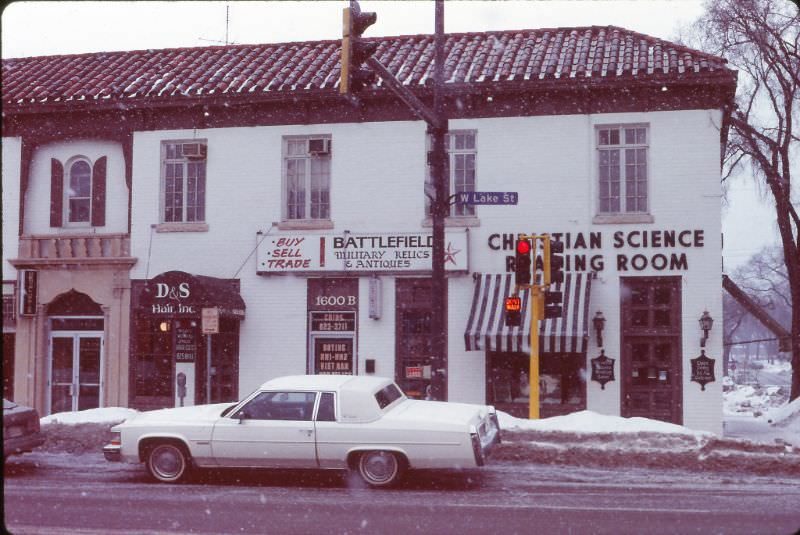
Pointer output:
x,y
786,416
753,399
104,415
592,422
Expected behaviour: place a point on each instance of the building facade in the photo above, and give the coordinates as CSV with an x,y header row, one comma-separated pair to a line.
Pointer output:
x,y
257,224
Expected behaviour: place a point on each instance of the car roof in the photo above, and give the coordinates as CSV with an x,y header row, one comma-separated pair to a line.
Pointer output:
x,y
326,382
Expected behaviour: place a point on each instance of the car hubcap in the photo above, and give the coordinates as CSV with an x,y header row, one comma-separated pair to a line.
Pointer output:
x,y
379,467
167,462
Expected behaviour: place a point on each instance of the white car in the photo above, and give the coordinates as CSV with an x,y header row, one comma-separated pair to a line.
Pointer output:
x,y
360,423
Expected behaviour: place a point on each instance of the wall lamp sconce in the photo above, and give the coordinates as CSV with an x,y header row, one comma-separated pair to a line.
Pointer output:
x,y
599,323
706,322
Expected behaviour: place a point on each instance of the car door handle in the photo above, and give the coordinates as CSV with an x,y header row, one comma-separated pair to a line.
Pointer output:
x,y
308,432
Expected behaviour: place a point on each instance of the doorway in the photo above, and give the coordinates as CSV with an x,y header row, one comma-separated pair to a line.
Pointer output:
x,y
651,348
76,371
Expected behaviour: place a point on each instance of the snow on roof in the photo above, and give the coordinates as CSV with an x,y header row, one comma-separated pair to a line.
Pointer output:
x,y
592,422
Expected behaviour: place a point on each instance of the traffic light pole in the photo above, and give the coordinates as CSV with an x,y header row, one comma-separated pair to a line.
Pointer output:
x,y
356,52
533,375
526,277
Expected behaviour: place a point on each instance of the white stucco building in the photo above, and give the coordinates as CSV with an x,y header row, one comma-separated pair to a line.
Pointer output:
x,y
237,179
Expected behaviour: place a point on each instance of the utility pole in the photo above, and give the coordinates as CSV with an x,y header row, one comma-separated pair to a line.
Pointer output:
x,y
440,208
356,53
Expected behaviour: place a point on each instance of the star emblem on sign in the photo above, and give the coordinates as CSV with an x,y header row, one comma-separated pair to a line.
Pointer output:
x,y
450,254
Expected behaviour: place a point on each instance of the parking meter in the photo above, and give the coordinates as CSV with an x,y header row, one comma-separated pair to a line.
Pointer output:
x,y
181,386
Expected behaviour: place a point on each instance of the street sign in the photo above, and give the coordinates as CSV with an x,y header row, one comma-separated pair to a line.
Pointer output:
x,y
210,320
487,197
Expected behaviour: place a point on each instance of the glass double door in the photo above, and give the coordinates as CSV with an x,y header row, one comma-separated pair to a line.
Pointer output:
x,y
76,365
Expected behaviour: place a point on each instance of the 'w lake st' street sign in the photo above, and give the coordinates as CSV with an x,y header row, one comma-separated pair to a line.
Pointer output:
x,y
487,197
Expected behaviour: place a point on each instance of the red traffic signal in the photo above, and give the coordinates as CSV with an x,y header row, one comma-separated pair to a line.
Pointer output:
x,y
522,262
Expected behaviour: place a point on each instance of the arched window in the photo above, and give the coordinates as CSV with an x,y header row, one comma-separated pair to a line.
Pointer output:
x,y
79,192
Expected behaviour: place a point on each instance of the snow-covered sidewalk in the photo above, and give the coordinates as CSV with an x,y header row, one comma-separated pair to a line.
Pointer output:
x,y
583,438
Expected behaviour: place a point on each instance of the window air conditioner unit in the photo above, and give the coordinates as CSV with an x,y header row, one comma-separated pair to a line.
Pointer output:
x,y
319,146
194,151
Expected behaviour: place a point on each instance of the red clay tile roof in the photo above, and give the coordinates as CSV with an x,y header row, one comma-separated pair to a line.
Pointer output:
x,y
560,54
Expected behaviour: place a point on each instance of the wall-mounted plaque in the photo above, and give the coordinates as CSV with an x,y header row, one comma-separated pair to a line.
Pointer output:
x,y
602,369
702,369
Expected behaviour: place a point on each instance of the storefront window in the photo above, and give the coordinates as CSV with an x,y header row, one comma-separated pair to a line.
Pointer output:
x,y
562,387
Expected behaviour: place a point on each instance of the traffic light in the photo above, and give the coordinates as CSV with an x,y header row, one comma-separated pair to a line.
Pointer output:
x,y
513,311
356,51
552,303
553,262
522,262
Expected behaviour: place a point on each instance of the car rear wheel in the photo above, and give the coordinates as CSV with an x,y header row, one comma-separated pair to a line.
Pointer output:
x,y
168,462
380,468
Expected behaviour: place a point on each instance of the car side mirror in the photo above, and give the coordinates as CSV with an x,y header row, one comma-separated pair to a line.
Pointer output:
x,y
241,415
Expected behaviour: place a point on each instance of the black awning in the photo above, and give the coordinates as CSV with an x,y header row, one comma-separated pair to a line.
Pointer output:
x,y
487,330
188,294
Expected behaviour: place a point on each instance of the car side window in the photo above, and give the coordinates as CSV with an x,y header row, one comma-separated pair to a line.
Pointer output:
x,y
297,406
326,411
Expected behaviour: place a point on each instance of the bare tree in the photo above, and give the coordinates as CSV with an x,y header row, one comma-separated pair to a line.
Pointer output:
x,y
760,39
764,279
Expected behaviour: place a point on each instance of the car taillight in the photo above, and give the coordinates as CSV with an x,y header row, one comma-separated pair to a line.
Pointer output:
x,y
116,438
476,448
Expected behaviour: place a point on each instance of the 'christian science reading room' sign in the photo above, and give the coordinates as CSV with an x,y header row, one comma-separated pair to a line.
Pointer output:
x,y
358,252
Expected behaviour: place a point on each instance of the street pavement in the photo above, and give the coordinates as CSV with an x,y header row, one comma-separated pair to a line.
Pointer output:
x,y
82,494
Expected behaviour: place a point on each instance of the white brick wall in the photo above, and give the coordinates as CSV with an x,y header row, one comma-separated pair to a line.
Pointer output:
x,y
377,176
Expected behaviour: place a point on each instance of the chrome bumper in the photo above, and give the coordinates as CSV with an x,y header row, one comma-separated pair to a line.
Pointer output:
x,y
112,453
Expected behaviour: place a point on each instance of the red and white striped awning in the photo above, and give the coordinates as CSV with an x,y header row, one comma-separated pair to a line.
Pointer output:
x,y
486,327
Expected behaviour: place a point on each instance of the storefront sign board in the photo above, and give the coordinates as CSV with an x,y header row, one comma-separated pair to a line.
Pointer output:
x,y
28,290
334,356
357,253
333,321
185,344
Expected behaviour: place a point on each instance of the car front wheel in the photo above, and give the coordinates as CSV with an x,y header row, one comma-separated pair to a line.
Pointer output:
x,y
380,468
168,462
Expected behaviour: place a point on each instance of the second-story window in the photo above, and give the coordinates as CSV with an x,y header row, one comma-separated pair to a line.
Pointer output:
x,y
307,178
79,192
461,155
184,182
622,171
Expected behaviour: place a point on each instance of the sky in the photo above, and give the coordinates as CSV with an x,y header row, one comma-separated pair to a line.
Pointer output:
x,y
49,28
